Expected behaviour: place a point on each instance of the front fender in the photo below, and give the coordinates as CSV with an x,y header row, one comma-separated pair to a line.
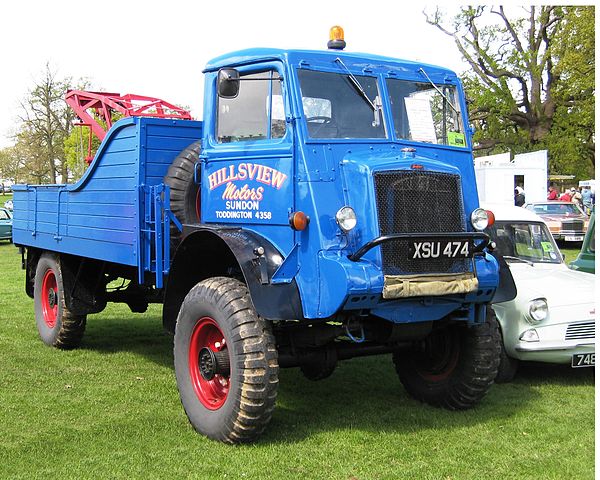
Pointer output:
x,y
210,251
507,290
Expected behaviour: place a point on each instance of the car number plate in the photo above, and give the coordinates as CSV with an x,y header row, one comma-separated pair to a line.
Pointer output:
x,y
573,238
442,249
583,360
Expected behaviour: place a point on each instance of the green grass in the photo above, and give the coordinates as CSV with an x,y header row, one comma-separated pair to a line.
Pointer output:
x,y
570,253
111,410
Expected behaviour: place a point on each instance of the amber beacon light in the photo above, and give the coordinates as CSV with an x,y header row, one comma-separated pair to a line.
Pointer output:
x,y
336,38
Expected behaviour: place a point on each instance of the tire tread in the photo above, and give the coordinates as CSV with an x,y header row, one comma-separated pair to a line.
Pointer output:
x,y
254,352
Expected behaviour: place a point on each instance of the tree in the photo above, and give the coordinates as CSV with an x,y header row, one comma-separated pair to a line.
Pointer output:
x,y
531,80
76,143
46,121
76,149
11,164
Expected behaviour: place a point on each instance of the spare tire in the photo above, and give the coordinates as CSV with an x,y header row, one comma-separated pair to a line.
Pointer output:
x,y
185,193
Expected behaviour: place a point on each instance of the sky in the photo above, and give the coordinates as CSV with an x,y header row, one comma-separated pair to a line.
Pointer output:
x,y
160,48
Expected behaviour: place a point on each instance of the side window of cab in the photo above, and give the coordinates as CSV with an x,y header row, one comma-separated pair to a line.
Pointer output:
x,y
256,113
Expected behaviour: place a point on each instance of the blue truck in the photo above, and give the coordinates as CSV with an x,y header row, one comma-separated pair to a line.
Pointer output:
x,y
324,208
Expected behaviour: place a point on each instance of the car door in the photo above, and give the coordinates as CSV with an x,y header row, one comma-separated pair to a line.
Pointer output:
x,y
5,224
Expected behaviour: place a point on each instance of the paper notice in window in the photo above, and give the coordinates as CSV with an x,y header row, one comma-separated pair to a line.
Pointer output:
x,y
420,120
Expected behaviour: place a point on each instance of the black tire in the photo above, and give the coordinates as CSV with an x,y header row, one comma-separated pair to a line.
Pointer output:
x,y
57,326
507,369
454,367
232,406
316,372
323,367
185,193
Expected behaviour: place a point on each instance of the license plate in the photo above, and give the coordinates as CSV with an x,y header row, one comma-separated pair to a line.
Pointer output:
x,y
583,360
442,249
573,238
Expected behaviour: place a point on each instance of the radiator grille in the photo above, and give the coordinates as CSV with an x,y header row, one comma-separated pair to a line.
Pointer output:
x,y
573,225
418,202
579,331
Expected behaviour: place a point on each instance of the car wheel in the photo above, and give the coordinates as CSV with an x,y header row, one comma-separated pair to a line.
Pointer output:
x,y
225,362
454,367
507,369
57,326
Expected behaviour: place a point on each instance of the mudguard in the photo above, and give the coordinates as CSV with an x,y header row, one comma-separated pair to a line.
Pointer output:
x,y
507,290
215,250
271,301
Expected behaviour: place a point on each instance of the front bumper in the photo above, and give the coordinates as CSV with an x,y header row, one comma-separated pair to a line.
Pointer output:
x,y
482,240
569,237
406,285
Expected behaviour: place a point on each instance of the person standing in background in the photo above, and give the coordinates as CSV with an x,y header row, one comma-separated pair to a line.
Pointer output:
x,y
565,197
586,199
519,197
576,198
552,193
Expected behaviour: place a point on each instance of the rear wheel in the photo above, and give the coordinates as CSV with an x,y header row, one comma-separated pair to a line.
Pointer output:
x,y
225,362
57,326
322,367
454,367
185,193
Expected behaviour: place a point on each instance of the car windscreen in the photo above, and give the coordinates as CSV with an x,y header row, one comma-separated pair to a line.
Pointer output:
x,y
555,209
341,105
426,113
524,241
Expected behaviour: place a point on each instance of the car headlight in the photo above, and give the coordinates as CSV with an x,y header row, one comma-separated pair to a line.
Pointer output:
x,y
538,310
530,336
346,218
479,219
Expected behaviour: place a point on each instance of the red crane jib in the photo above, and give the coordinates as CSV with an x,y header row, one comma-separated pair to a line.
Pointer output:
x,y
92,108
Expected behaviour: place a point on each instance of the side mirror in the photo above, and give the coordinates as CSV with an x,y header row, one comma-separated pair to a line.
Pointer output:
x,y
228,83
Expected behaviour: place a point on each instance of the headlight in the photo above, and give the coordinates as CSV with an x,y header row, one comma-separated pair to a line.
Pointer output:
x,y
346,218
538,310
479,219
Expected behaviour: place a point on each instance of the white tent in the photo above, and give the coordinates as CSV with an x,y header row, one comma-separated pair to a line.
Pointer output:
x,y
498,175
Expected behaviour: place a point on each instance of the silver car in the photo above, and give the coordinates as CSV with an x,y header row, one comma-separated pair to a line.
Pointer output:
x,y
553,317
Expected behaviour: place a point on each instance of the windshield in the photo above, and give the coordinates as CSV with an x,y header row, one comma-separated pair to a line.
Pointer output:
x,y
424,113
336,107
530,242
555,209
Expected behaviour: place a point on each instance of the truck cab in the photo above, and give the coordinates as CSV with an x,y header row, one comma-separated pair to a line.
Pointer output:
x,y
371,155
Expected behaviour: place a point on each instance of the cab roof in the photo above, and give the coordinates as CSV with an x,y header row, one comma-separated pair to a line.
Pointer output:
x,y
324,58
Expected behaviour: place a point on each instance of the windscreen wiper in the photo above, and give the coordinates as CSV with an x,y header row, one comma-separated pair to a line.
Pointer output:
x,y
439,91
359,88
356,83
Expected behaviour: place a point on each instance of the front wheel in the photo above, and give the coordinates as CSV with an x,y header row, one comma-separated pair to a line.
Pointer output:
x,y
507,369
225,362
57,326
454,367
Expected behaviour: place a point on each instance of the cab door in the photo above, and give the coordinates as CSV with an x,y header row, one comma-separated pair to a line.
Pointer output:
x,y
248,168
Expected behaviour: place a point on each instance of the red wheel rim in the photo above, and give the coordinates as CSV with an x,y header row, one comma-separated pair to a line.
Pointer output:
x,y
211,393
441,356
49,298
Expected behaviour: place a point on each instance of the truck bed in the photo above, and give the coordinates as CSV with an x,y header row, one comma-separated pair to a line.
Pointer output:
x,y
107,214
